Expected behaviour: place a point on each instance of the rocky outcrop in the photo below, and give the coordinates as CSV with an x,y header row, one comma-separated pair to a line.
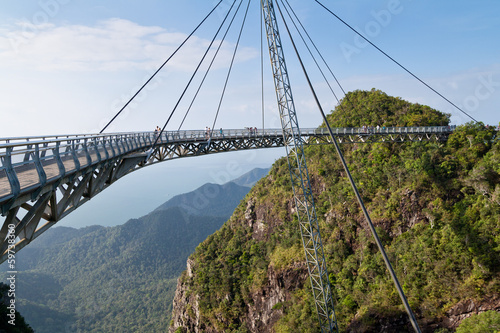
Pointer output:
x,y
465,309
185,314
263,311
400,323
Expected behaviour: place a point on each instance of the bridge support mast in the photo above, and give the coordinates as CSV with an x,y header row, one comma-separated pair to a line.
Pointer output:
x,y
304,202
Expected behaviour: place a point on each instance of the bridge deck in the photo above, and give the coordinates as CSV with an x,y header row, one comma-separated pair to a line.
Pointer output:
x,y
34,160
49,177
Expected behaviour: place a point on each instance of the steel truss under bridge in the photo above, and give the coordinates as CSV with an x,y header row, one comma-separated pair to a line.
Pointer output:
x,y
43,179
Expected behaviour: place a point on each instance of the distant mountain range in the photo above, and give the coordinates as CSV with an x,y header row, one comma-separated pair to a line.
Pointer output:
x,y
216,200
122,278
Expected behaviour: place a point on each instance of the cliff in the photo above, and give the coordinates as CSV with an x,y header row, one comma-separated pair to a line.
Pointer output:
x,y
436,207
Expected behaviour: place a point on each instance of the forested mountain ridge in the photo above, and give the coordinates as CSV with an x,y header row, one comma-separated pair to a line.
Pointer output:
x,y
122,278
436,207
209,200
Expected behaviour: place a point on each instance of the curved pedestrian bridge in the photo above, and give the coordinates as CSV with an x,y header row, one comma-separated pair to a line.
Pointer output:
x,y
47,177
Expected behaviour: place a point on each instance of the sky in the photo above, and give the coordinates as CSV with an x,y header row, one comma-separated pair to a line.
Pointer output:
x,y
67,66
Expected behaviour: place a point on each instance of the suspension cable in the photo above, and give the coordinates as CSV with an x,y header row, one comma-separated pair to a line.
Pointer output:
x,y
397,63
160,68
353,185
191,79
310,52
321,56
229,71
262,65
210,66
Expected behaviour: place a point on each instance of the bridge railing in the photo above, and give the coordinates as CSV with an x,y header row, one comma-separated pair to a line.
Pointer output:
x,y
386,130
28,162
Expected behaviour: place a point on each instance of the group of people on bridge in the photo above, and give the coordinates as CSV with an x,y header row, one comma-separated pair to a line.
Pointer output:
x,y
252,130
372,129
210,132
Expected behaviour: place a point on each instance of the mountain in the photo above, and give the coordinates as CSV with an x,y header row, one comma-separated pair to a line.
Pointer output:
x,y
435,205
216,200
11,321
252,177
122,278
209,200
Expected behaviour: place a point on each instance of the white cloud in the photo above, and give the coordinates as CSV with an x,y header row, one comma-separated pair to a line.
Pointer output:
x,y
111,45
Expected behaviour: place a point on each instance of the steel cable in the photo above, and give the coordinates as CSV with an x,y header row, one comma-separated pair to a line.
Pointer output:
x,y
191,79
160,68
210,66
397,63
229,71
354,187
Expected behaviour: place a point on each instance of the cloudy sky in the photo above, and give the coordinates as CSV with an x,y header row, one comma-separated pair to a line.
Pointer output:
x,y
67,66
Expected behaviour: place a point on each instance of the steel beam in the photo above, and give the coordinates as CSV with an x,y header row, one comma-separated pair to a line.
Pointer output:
x,y
75,184
304,201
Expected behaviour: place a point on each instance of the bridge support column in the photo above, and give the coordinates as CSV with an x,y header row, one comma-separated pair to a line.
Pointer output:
x,y
304,201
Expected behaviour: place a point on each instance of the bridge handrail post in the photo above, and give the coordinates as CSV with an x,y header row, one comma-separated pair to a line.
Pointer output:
x,y
126,143
60,165
44,150
104,140
123,143
86,151
42,176
15,186
133,141
28,152
73,154
96,148
122,146
119,145
116,146
137,140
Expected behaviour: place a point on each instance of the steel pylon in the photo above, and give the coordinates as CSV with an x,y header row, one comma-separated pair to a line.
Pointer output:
x,y
304,201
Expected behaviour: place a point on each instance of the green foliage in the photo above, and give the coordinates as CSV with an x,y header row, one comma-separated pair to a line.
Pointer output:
x,y
436,206
486,322
20,325
371,108
300,315
113,279
283,257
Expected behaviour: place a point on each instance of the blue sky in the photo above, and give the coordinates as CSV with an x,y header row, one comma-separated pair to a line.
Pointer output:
x,y
67,65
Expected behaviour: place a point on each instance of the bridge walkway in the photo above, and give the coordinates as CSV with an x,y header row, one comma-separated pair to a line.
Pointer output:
x,y
50,176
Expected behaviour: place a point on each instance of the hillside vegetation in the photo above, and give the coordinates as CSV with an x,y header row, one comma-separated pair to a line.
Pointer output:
x,y
436,207
122,278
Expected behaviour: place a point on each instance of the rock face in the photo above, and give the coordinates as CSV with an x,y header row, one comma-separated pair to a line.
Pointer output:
x,y
186,314
439,233
467,308
264,308
263,311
